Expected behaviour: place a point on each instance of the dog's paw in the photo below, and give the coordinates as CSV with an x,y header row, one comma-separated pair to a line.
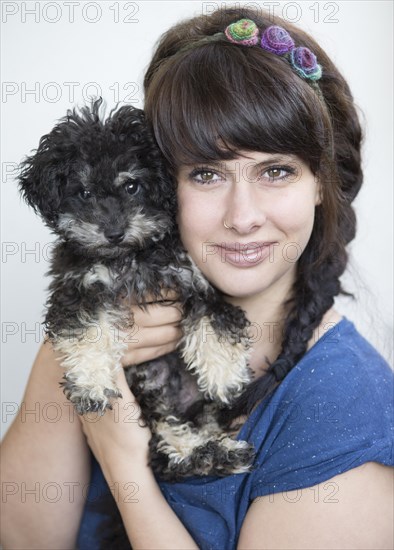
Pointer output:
x,y
89,399
180,450
233,457
214,458
222,458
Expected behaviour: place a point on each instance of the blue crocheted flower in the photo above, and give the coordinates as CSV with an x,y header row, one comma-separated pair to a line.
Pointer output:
x,y
305,63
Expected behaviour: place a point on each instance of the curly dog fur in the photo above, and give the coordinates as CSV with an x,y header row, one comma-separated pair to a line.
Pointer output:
x,y
101,187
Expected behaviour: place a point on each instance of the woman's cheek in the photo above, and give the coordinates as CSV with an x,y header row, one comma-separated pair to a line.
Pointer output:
x,y
197,218
295,215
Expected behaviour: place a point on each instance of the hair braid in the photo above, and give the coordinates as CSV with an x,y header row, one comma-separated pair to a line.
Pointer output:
x,y
314,291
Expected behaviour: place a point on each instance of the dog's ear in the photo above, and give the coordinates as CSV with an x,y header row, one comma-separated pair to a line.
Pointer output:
x,y
128,124
43,177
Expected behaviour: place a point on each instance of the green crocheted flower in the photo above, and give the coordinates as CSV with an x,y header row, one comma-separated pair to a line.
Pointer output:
x,y
244,31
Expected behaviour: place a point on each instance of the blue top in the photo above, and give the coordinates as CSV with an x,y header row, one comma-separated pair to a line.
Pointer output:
x,y
332,412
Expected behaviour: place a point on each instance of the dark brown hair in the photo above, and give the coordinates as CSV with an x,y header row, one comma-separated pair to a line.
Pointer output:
x,y
212,100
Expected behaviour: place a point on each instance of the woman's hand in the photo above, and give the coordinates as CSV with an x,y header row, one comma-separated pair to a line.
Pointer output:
x,y
118,433
120,445
121,431
156,331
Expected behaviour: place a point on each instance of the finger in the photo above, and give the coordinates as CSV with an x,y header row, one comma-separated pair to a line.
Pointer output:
x,y
157,315
164,295
170,295
147,354
146,337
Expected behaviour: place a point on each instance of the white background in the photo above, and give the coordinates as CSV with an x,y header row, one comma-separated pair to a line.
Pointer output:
x,y
46,46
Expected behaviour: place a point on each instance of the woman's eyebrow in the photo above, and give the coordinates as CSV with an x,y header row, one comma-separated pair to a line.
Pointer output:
x,y
291,161
272,158
275,159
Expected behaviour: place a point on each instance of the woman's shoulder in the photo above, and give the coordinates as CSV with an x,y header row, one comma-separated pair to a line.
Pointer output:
x,y
332,412
338,330
342,359
344,369
341,367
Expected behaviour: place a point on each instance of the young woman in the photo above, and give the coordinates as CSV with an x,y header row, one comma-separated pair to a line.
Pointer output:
x,y
264,141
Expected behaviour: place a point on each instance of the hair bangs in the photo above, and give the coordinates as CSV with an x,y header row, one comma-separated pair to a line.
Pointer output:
x,y
219,99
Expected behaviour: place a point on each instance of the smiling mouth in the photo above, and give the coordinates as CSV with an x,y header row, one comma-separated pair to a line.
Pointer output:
x,y
245,255
254,245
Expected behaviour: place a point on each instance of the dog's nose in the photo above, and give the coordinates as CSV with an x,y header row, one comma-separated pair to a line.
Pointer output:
x,y
115,236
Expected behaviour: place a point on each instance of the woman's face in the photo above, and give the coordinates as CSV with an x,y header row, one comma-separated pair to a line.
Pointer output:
x,y
267,200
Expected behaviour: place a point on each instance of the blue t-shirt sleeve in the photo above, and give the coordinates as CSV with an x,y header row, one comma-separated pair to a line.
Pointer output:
x,y
332,413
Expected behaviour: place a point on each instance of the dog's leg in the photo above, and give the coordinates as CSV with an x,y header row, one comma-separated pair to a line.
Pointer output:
x,y
215,344
216,348
91,355
180,450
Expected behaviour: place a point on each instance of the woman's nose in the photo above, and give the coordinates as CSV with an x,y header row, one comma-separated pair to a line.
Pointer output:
x,y
244,212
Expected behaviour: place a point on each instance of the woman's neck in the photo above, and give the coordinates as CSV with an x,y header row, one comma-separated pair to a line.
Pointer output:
x,y
267,314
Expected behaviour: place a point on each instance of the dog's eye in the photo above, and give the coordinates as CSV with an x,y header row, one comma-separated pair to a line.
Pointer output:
x,y
85,194
131,186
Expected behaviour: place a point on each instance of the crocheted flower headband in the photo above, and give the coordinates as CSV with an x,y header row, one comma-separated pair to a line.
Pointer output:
x,y
274,39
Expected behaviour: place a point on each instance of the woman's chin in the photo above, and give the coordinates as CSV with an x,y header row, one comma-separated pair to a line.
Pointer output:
x,y
240,286
253,282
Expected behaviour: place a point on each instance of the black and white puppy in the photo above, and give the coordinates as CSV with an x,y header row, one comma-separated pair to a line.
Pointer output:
x,y
101,187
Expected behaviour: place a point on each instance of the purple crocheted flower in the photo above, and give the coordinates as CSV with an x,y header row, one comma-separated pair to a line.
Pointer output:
x,y
277,40
305,63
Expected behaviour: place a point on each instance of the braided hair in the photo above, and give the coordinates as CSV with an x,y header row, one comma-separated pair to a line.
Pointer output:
x,y
253,100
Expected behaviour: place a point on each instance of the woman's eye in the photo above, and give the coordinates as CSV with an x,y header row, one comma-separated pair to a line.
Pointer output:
x,y
131,187
204,176
85,194
276,173
207,176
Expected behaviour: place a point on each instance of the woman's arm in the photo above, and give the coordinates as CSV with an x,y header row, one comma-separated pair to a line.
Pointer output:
x,y
120,445
45,465
353,510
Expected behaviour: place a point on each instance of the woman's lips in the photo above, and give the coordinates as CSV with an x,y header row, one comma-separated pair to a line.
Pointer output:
x,y
244,255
